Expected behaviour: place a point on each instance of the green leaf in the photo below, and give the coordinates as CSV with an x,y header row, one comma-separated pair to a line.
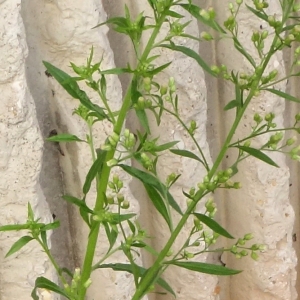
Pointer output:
x,y
71,87
204,268
149,179
258,154
174,14
158,203
238,46
64,138
283,95
158,69
44,283
142,116
51,226
258,13
191,53
20,243
115,71
111,234
94,170
128,268
117,218
165,146
186,153
80,203
212,224
195,10
15,227
231,104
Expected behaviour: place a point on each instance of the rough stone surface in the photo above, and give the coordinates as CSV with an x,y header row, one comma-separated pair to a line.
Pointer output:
x,y
33,171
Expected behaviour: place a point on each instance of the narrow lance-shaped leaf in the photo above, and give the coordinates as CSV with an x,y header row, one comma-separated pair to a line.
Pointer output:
x,y
80,203
44,283
149,179
158,203
14,227
94,170
111,235
204,268
186,153
143,118
258,13
191,53
283,95
71,86
212,224
165,146
258,154
231,104
64,138
158,69
117,218
20,243
128,268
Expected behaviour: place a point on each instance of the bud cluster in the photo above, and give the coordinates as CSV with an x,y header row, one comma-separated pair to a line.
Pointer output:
x,y
73,288
116,197
221,179
142,103
128,140
239,249
258,39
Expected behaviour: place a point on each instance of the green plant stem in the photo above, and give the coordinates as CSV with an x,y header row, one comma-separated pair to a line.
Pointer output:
x,y
151,274
110,253
55,265
102,184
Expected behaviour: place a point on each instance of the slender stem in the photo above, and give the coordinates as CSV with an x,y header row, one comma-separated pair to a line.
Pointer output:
x,y
110,113
55,265
102,184
149,278
110,253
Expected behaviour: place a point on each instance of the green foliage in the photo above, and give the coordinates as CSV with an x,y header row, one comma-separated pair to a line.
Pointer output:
x,y
145,94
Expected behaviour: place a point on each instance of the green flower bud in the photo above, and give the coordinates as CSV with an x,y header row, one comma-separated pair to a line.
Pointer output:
x,y
110,199
204,14
126,133
237,185
87,283
192,191
241,242
239,2
111,185
255,36
163,90
233,249
111,163
264,34
115,178
248,236
247,143
206,36
120,198
254,255
244,252
125,204
291,141
215,69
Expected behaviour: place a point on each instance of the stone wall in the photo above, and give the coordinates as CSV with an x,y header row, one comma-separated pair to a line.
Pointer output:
x,y
34,171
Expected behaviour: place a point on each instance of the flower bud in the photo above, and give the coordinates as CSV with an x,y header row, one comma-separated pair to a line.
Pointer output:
x,y
206,36
248,236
